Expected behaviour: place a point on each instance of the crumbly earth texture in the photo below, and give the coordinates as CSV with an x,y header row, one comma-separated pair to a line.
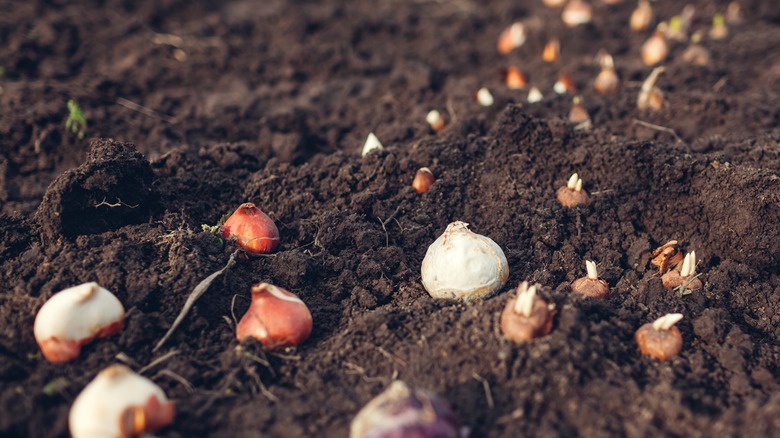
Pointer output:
x,y
212,104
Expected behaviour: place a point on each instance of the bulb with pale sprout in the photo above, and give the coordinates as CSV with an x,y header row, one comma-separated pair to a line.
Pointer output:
x,y
650,96
578,114
607,80
591,285
528,316
660,339
572,194
686,276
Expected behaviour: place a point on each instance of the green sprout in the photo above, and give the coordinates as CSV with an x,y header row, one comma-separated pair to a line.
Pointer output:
x,y
213,229
2,71
76,123
718,20
676,23
683,288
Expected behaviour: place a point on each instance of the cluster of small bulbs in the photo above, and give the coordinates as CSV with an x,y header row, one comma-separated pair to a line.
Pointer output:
x,y
462,265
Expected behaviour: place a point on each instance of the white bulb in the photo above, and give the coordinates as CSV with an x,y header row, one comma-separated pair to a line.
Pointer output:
x,y
484,97
99,409
535,95
372,144
463,265
74,317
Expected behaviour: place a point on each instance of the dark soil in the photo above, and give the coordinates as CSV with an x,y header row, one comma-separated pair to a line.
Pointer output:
x,y
210,105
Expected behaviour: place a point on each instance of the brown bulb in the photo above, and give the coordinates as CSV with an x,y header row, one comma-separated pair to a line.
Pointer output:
x,y
660,339
527,316
423,180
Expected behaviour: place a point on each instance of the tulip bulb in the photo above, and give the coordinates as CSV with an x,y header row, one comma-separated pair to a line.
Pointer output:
x,y
423,180
660,339
564,84
577,12
572,194
685,276
655,49
75,317
719,28
484,97
252,229
435,120
119,403
514,78
535,95
463,265
607,81
528,316
277,318
578,114
401,411
511,38
642,17
591,285
552,50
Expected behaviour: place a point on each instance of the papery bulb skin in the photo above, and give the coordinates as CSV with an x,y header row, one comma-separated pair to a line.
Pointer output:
x,y
253,230
462,265
403,412
277,318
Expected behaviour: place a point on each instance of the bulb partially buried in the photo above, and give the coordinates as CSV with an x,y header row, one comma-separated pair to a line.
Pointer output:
x,y
401,411
119,403
277,318
75,317
463,265
253,230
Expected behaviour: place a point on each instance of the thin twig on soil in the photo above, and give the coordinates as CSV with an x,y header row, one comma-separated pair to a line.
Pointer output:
x,y
385,222
189,387
196,293
253,374
451,111
659,128
158,361
391,356
357,369
118,203
486,388
683,288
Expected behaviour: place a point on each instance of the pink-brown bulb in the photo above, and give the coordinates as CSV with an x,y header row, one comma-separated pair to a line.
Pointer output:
x,y
277,318
253,230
